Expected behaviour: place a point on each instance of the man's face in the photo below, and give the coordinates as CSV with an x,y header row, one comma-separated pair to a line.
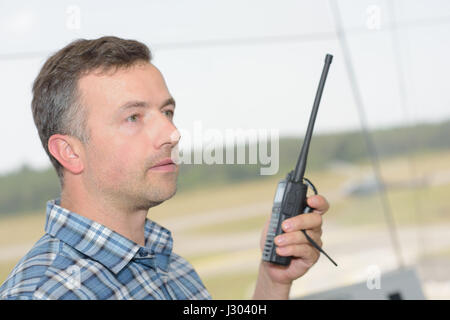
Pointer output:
x,y
130,123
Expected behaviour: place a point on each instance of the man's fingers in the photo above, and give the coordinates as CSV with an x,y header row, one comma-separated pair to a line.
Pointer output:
x,y
298,237
302,222
318,203
304,251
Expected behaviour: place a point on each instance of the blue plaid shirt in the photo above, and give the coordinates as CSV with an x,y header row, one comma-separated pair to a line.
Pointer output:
x,y
78,258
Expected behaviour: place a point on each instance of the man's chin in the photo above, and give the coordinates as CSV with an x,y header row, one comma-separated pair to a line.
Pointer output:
x,y
156,198
151,201
167,194
160,188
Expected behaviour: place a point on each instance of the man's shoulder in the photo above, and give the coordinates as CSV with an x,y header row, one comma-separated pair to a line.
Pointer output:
x,y
23,280
178,262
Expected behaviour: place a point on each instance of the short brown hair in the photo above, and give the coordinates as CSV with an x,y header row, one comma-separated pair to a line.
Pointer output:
x,y
56,105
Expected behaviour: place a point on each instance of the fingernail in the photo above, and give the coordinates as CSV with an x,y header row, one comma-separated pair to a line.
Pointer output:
x,y
287,226
280,240
314,201
281,250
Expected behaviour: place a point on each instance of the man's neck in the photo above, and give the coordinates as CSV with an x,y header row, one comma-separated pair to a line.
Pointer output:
x,y
127,223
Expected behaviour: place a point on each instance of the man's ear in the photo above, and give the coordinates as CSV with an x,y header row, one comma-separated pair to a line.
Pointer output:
x,y
68,151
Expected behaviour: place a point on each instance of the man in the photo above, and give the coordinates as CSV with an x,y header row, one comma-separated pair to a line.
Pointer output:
x,y
105,118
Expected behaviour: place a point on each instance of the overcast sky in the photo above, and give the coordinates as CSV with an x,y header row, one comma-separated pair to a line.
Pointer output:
x,y
240,64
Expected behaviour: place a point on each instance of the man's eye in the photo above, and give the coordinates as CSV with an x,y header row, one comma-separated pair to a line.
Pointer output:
x,y
133,118
169,113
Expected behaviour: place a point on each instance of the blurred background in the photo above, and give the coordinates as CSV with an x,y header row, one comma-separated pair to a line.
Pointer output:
x,y
380,152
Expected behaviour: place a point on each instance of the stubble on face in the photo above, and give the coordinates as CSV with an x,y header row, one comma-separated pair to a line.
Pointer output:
x,y
117,168
137,186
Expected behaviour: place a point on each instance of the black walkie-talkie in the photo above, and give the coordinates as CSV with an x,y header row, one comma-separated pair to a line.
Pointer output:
x,y
291,193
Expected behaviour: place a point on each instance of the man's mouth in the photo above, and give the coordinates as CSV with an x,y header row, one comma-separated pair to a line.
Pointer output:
x,y
166,165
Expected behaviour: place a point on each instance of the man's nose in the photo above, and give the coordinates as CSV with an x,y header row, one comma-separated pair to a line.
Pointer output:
x,y
164,132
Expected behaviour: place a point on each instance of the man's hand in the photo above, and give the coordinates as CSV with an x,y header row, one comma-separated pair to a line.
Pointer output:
x,y
274,281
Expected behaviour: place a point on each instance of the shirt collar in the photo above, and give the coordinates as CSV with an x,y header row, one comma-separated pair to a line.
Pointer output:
x,y
103,244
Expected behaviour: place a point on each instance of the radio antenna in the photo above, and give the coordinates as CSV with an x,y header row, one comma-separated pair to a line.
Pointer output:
x,y
301,163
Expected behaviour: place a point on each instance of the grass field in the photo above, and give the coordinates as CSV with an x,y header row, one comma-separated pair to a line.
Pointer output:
x,y
229,270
